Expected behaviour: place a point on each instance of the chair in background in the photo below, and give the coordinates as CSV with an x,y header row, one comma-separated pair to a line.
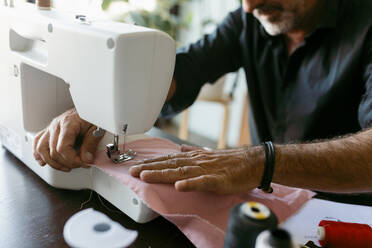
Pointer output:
x,y
212,93
245,135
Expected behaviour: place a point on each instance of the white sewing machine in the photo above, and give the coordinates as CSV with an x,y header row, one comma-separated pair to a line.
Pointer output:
x,y
116,75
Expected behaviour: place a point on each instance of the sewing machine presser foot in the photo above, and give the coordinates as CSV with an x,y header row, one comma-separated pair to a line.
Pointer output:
x,y
113,151
120,158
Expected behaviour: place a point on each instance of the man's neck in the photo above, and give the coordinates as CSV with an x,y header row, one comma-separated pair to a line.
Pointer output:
x,y
294,39
297,35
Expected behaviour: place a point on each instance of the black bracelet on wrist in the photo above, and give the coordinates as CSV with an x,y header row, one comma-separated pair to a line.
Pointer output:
x,y
267,177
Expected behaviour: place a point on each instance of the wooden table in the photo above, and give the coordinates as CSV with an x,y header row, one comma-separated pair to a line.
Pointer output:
x,y
32,213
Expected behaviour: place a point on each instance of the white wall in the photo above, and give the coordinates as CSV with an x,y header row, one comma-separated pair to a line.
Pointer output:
x,y
206,118
83,7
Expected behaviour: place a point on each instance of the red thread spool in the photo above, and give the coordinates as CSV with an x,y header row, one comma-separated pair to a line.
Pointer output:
x,y
336,234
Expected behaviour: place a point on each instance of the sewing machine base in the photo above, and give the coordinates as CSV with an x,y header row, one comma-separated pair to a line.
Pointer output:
x,y
95,179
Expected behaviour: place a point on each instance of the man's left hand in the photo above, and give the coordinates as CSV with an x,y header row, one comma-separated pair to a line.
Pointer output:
x,y
221,171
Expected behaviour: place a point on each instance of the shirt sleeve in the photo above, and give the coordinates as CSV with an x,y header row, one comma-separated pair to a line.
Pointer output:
x,y
205,61
365,107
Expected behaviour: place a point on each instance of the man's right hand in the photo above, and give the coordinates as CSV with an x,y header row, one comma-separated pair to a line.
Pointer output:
x,y
55,145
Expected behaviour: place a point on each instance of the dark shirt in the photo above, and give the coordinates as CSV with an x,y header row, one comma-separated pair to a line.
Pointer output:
x,y
322,90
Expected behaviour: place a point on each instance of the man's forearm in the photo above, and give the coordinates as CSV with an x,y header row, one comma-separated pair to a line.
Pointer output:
x,y
339,165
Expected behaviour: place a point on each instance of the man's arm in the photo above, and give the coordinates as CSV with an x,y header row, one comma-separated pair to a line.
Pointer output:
x,y
172,90
339,165
205,61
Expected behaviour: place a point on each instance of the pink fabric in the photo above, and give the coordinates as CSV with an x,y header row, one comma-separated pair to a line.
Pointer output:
x,y
202,217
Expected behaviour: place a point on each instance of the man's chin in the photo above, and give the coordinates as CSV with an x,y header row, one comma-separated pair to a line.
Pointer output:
x,y
273,30
273,24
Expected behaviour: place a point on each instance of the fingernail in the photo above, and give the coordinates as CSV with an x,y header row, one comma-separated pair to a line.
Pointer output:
x,y
88,157
143,174
134,171
65,169
41,162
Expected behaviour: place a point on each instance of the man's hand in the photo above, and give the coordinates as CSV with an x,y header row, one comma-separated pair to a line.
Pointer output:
x,y
220,171
55,145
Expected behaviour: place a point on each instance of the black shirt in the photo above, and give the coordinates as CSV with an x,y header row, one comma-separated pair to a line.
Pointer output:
x,y
322,90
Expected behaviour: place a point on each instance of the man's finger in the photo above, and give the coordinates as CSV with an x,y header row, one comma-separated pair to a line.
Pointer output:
x,y
66,141
162,158
205,183
54,132
34,147
171,175
43,149
89,146
161,165
187,148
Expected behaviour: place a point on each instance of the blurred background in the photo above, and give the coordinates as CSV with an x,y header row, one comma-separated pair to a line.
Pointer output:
x,y
219,118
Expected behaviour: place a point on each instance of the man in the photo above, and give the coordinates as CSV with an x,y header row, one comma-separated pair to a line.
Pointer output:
x,y
308,65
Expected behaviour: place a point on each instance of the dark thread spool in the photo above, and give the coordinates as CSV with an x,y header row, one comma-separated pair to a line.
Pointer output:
x,y
246,222
274,238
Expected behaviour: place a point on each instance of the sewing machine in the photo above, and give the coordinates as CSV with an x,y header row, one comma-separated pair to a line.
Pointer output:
x,y
116,75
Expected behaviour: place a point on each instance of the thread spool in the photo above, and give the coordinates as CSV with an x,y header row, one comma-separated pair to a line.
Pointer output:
x,y
274,238
247,220
43,4
338,234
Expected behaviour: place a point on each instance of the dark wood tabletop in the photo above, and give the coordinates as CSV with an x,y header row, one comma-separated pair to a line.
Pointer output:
x,y
33,214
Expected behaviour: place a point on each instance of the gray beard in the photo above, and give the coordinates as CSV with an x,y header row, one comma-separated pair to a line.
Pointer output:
x,y
287,21
285,24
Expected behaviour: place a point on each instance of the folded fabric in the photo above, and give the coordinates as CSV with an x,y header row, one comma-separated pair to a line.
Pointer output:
x,y
202,217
